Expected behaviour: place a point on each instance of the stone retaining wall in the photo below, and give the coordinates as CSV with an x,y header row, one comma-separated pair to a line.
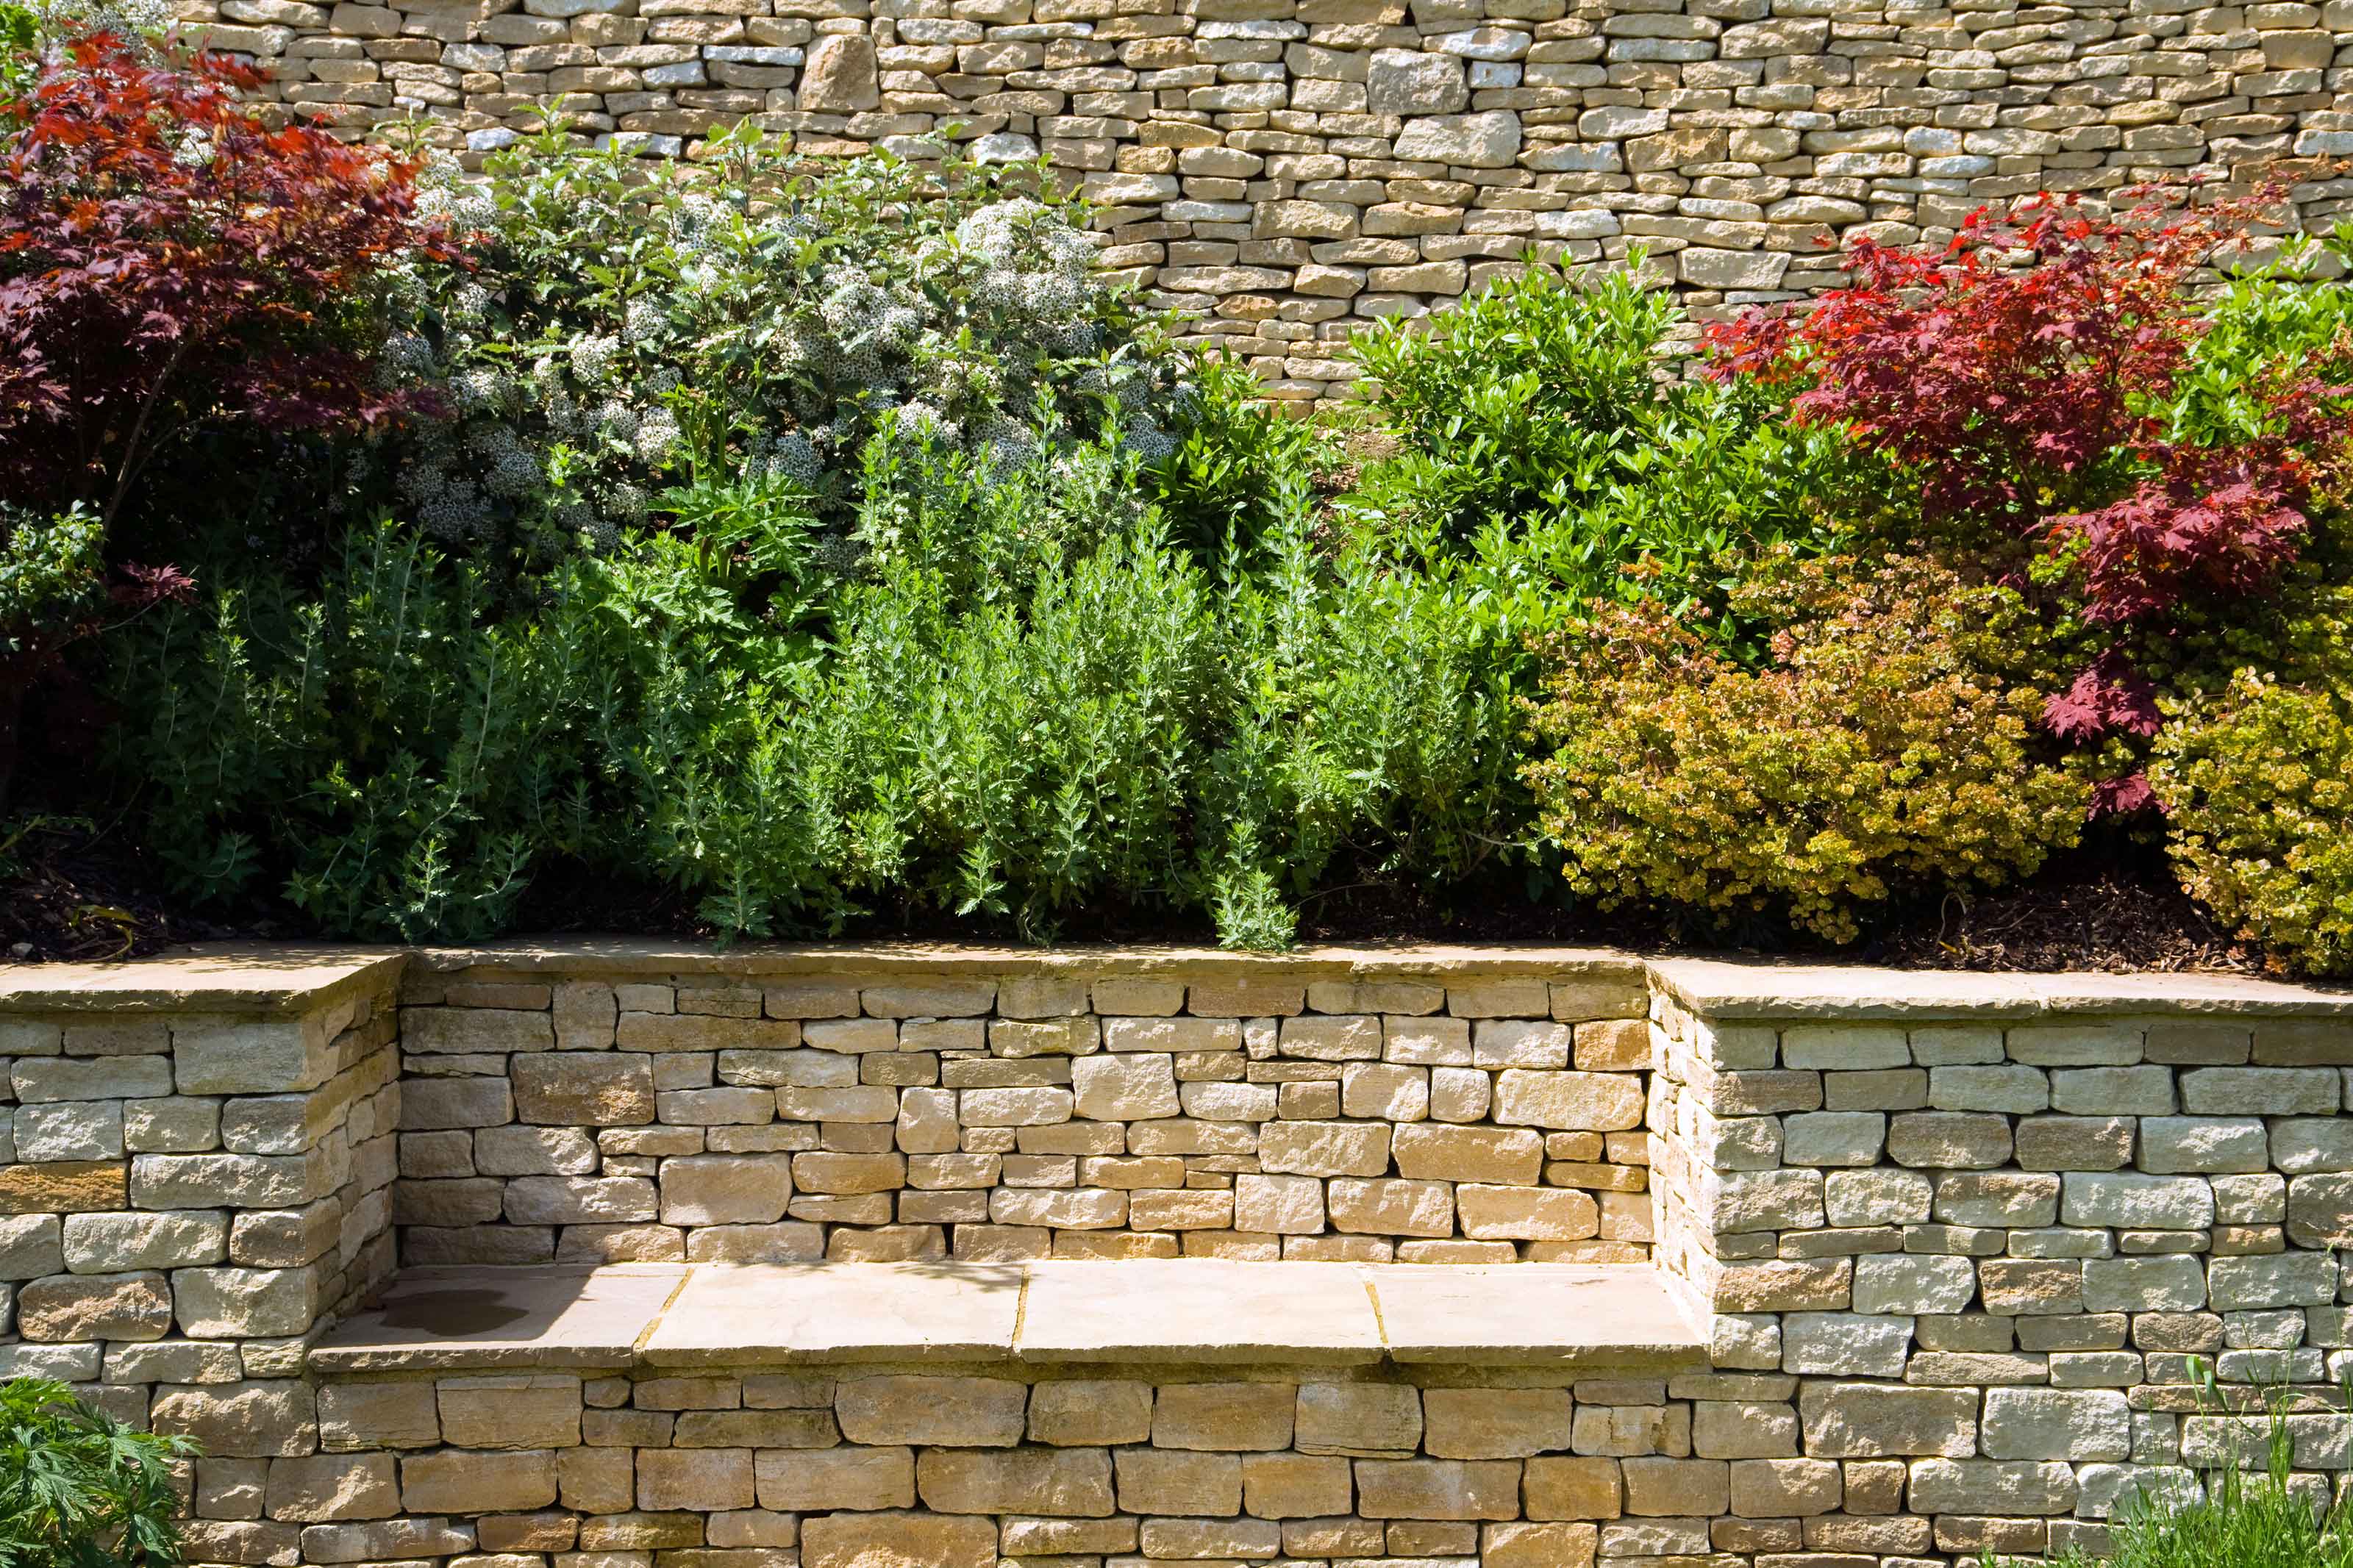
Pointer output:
x,y
1970,1248
1285,170
867,1467
192,1177
554,1113
1979,1247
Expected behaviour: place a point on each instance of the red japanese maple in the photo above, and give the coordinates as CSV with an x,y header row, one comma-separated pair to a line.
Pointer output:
x,y
168,258
2013,373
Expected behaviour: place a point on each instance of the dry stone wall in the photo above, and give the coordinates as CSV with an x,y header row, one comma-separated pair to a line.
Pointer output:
x,y
1284,171
914,1468
190,1180
576,1117
1967,1250
1974,1251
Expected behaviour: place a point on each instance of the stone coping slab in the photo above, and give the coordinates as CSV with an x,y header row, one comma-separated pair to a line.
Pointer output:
x,y
262,978
1153,1311
621,957
1731,988
590,1317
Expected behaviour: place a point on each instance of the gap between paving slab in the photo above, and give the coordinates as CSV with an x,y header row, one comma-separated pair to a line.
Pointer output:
x,y
1199,1312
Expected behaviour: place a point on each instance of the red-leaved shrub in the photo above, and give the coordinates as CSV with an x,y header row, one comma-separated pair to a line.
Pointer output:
x,y
2017,374
168,258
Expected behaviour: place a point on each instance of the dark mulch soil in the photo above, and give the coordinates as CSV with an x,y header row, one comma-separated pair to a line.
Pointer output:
x,y
70,892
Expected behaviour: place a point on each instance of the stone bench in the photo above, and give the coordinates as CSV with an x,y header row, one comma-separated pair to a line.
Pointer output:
x,y
1062,1414
645,1317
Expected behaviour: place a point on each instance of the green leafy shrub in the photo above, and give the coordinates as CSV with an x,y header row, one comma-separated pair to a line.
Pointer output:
x,y
1219,486
1548,458
2257,781
1027,737
631,326
80,1489
1887,750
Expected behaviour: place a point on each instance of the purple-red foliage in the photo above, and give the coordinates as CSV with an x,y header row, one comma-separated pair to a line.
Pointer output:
x,y
2012,372
169,259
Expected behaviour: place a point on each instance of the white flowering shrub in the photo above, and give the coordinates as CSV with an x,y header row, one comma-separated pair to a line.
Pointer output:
x,y
631,327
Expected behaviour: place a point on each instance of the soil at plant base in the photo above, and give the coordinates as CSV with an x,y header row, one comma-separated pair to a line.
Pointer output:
x,y
69,893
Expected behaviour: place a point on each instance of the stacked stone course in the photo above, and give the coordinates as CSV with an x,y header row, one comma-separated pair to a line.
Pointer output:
x,y
189,1185
780,1119
1285,171
1981,1259
1965,1249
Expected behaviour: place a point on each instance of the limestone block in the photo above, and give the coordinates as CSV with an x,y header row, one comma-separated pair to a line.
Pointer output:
x,y
2031,1287
456,1481
1845,1344
1908,1285
1283,1205
1124,1088
823,1480
1224,1417
362,1416
579,1200
536,1411
1020,1107
1176,1481
1324,1148
31,1245
2259,1091
1163,1034
248,1420
2000,1199
951,1412
1495,1422
1767,1200
1491,1154
895,1539
1854,1198
325,1486
1385,1091
726,1189
1438,1488
1333,1038
1525,1545
2144,1284
2288,1280
1392,1207
534,1151
133,1305
1528,1214
1575,1488
1867,1421
2130,1200
2302,1145
1991,1486
601,1089
1520,1042
1051,1482
2320,1210
68,1130
1834,1138
1408,81
1602,1102
1948,1139
221,1181
1365,1420
1091,1411
695,1480
2056,1424
245,1303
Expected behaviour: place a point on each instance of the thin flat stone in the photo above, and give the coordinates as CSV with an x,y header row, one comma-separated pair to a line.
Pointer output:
x,y
263,978
1547,1313
1198,1309
478,1316
1735,988
781,1313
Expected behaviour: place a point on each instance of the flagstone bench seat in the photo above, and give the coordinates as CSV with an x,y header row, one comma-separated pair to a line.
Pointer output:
x,y
647,1317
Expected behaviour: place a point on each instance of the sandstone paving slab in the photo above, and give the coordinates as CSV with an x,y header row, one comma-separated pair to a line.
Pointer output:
x,y
478,1316
1198,1309
746,1314
1528,1313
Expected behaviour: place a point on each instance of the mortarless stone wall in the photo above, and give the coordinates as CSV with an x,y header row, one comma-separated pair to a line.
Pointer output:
x,y
560,1111
1285,170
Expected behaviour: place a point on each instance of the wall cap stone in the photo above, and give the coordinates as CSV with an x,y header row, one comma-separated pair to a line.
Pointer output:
x,y
1731,988
256,978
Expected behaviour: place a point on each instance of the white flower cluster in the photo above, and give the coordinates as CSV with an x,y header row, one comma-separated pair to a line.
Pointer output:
x,y
581,367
